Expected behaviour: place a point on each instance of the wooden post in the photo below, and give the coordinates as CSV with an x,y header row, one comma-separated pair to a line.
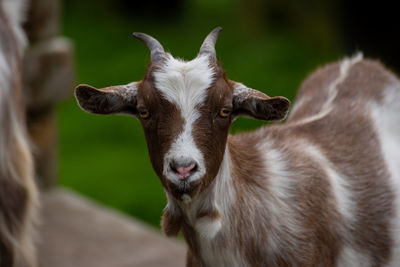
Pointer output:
x,y
49,76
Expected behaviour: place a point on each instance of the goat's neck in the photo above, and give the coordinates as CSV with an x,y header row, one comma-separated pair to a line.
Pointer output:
x,y
218,197
206,212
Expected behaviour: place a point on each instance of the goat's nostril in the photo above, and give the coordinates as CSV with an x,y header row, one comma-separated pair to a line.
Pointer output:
x,y
173,167
183,169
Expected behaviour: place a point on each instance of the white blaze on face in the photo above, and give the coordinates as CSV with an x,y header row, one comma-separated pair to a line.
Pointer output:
x,y
185,84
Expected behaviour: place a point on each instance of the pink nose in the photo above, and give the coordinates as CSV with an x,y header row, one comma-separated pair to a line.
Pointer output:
x,y
183,168
184,172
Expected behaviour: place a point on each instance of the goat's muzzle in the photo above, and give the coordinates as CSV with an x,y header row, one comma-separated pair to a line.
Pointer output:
x,y
183,168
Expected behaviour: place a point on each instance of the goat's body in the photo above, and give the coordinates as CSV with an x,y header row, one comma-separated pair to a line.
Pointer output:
x,y
18,195
322,189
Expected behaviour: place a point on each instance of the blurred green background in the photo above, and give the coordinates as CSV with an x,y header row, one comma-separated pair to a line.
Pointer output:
x,y
267,45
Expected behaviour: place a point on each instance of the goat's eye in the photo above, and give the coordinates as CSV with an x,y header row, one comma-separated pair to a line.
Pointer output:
x,y
224,112
144,114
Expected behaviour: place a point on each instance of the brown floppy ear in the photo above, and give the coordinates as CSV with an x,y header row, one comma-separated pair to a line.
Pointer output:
x,y
251,103
109,100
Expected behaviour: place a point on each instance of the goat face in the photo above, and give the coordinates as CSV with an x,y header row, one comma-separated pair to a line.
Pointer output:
x,y
186,109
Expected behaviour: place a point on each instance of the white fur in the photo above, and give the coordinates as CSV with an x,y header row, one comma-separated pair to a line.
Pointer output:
x,y
4,75
278,203
207,227
185,84
241,89
219,198
387,122
129,91
349,257
276,167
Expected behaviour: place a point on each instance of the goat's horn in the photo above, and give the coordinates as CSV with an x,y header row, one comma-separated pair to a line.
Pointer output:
x,y
208,46
156,49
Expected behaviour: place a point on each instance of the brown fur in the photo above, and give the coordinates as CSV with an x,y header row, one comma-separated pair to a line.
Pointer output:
x,y
171,223
210,131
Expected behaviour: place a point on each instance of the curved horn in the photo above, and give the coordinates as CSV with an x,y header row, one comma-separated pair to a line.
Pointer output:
x,y
156,49
208,46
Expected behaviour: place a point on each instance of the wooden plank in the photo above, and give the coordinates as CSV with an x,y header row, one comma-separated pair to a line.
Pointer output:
x,y
76,232
49,77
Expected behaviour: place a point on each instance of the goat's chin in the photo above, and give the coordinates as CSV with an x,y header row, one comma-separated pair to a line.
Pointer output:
x,y
181,188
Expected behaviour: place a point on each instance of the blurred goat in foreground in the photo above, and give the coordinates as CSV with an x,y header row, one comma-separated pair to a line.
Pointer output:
x,y
18,194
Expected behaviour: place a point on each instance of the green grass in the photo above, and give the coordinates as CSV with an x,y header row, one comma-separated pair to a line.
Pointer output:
x,y
105,157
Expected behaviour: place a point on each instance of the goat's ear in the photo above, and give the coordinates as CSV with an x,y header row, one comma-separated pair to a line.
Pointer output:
x,y
255,104
109,100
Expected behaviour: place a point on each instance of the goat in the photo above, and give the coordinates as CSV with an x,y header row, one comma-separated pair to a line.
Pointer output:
x,y
321,189
18,193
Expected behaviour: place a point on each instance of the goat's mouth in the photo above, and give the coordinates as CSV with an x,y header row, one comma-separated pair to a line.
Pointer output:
x,y
184,187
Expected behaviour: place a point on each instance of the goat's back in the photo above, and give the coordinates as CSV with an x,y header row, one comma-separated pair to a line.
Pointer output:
x,y
346,121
